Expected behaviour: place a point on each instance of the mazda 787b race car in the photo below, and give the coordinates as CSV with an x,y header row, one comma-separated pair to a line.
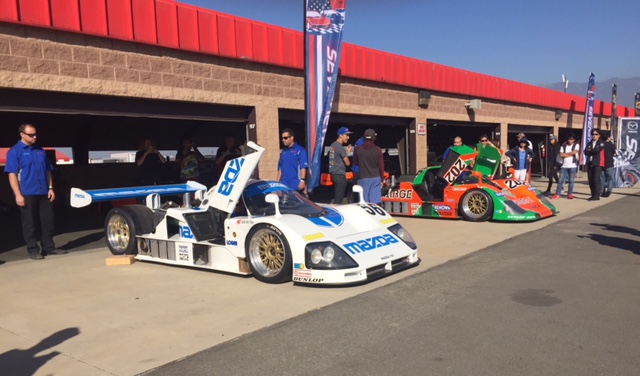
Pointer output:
x,y
260,227
464,187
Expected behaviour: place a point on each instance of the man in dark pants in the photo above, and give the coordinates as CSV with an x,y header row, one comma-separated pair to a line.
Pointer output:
x,y
594,151
338,163
553,163
609,171
30,178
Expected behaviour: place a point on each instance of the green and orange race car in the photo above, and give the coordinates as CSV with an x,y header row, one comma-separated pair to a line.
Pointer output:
x,y
464,187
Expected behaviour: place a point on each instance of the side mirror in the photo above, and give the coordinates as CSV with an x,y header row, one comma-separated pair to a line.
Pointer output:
x,y
360,192
273,198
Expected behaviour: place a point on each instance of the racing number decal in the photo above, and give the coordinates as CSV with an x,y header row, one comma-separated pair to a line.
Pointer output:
x,y
455,171
373,209
513,183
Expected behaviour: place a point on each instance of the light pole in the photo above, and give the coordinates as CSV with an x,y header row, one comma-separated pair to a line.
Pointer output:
x,y
565,82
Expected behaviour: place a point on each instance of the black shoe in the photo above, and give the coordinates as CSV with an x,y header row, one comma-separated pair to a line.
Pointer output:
x,y
546,193
56,251
593,199
35,256
606,194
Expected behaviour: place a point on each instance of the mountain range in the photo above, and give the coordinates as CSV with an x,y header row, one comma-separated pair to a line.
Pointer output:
x,y
627,88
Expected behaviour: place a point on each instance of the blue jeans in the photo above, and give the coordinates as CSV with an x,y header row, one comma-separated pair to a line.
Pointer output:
x,y
566,173
608,178
372,189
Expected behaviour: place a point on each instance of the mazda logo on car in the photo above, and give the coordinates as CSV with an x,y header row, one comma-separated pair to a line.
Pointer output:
x,y
632,126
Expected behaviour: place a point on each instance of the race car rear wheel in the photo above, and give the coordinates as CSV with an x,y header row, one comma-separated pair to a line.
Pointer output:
x,y
269,254
476,206
122,225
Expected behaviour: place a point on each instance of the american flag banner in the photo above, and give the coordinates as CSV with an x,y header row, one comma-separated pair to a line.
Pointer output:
x,y
588,117
324,20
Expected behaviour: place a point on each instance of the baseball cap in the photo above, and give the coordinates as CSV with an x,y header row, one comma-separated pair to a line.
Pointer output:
x,y
344,130
553,137
369,134
523,140
521,135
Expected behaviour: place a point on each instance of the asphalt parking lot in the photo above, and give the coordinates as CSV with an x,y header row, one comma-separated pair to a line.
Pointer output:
x,y
72,314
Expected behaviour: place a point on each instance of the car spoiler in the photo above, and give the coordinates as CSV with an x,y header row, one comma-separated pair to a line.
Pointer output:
x,y
81,198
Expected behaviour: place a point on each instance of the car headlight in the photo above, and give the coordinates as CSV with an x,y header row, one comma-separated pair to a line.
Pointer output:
x,y
327,255
404,235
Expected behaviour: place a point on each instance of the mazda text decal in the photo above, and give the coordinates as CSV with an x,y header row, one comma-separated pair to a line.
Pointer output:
x,y
230,176
369,244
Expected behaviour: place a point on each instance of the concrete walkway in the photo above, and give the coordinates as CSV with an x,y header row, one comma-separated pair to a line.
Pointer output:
x,y
73,315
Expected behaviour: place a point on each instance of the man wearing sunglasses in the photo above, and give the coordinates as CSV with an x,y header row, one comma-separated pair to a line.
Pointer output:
x,y
293,164
595,162
29,173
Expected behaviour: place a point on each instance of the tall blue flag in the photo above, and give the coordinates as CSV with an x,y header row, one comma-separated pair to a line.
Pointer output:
x,y
588,116
324,20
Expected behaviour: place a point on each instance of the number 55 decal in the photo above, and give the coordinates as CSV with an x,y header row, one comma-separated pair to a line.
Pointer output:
x,y
373,209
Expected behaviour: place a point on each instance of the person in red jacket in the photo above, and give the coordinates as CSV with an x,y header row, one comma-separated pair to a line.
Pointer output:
x,y
368,157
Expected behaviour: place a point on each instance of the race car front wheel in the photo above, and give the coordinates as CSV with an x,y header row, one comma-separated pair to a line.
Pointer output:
x,y
122,225
269,254
476,205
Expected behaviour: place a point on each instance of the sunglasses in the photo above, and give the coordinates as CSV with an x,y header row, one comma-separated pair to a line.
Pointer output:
x,y
32,135
286,138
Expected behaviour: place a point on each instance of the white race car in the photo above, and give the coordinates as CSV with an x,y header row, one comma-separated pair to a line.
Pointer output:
x,y
258,227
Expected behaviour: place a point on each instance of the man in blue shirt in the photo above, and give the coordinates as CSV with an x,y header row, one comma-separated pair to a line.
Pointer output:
x,y
292,165
30,179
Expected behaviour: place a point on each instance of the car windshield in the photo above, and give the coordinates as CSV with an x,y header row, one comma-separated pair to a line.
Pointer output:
x,y
291,202
466,177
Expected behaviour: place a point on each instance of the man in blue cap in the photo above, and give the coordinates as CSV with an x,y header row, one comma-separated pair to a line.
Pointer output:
x,y
338,163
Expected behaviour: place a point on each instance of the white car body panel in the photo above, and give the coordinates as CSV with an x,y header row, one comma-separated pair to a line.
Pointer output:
x,y
360,230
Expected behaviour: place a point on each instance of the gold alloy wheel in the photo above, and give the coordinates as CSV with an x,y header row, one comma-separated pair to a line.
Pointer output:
x,y
118,233
267,253
475,206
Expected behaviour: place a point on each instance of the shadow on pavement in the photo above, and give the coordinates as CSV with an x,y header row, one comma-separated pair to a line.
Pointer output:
x,y
26,362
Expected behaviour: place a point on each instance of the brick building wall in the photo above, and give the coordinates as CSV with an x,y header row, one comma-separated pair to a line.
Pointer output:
x,y
44,59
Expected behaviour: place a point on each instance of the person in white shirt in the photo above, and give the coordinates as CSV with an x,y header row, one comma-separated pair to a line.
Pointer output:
x,y
569,155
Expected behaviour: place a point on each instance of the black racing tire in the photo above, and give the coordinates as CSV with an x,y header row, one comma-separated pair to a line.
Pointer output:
x,y
476,206
269,254
121,226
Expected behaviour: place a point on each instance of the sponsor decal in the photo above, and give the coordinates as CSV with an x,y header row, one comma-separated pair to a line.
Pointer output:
x,y
78,195
400,193
298,265
387,257
317,235
387,221
244,222
451,200
302,273
308,280
230,176
459,189
522,201
442,207
183,253
233,243
632,126
185,232
369,244
452,174
415,206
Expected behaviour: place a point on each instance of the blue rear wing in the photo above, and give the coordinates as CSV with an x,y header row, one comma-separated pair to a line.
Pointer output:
x,y
80,198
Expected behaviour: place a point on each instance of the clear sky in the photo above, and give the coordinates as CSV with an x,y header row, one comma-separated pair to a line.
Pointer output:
x,y
534,42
